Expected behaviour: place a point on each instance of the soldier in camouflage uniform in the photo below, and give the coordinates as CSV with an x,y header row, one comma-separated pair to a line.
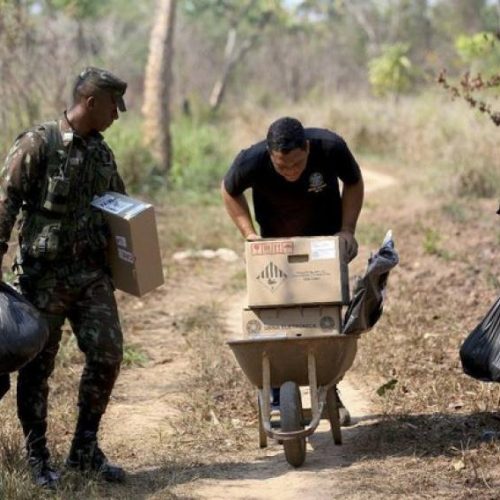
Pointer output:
x,y
51,175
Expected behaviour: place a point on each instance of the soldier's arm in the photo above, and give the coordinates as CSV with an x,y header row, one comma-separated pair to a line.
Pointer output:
x,y
116,183
15,178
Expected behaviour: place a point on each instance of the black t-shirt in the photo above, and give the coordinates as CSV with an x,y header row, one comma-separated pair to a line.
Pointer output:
x,y
309,206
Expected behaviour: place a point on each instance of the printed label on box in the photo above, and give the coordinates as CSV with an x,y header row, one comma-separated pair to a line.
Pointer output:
x,y
121,241
271,248
311,274
323,249
111,204
271,276
126,256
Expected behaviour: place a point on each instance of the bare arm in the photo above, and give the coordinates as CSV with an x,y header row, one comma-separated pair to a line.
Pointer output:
x,y
352,201
238,210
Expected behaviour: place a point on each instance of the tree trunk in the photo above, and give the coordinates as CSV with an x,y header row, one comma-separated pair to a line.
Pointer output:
x,y
157,83
232,57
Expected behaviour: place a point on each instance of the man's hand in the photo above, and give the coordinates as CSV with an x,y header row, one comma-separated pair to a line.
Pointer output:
x,y
252,237
350,244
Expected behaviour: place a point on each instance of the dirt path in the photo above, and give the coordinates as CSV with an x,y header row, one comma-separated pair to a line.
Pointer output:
x,y
269,475
148,399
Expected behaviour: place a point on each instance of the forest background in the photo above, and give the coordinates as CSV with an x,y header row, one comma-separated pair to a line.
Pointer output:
x,y
199,71
413,87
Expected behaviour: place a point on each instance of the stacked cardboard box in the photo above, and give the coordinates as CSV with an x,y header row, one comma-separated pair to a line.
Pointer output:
x,y
296,286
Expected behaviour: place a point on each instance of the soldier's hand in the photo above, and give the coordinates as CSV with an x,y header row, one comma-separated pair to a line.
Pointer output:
x,y
350,244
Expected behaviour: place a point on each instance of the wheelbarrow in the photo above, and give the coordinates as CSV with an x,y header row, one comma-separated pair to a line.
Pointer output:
x,y
318,361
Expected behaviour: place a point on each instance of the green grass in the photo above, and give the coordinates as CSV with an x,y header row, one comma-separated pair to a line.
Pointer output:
x,y
133,356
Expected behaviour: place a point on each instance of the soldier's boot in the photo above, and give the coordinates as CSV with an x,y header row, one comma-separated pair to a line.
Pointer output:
x,y
344,415
42,472
86,456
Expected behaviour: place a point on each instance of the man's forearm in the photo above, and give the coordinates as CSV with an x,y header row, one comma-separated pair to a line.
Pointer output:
x,y
238,210
352,201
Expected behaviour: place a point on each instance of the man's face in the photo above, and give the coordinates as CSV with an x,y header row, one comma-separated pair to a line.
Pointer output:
x,y
103,110
290,165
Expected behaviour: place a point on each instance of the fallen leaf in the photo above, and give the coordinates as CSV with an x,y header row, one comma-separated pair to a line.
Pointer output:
x,y
388,386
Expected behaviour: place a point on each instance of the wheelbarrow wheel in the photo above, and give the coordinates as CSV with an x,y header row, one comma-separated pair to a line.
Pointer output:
x,y
291,420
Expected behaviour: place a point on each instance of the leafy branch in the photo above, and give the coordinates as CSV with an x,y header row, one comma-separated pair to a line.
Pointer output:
x,y
469,85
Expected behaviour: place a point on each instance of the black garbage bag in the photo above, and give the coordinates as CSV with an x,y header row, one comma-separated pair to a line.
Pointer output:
x,y
480,352
366,304
23,331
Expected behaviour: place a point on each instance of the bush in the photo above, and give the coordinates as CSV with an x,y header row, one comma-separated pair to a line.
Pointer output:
x,y
201,154
135,163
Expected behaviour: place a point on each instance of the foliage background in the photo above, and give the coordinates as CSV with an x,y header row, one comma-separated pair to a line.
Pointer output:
x,y
372,63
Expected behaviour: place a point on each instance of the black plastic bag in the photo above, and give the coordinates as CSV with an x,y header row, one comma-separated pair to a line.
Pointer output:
x,y
23,331
365,307
480,352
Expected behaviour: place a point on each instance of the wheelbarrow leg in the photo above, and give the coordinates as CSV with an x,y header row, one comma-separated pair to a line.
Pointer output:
x,y
262,432
333,414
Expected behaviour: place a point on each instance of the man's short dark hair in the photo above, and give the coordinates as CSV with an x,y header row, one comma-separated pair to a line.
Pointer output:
x,y
286,134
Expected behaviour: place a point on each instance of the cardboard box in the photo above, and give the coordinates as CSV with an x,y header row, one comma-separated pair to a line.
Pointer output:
x,y
296,271
291,321
134,252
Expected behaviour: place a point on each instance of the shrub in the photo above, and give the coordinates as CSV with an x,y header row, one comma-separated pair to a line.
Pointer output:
x,y
201,154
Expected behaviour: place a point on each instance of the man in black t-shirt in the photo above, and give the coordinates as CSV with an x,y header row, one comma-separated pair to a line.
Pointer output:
x,y
294,176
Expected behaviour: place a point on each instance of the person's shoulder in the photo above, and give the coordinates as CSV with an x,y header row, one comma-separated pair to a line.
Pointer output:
x,y
323,135
252,156
31,139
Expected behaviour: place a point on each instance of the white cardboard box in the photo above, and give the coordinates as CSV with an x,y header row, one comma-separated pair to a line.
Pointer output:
x,y
134,252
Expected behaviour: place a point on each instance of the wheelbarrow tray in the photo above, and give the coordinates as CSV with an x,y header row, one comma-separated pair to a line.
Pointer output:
x,y
288,357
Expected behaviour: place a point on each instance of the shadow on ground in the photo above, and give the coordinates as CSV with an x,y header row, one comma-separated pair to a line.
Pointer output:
x,y
375,436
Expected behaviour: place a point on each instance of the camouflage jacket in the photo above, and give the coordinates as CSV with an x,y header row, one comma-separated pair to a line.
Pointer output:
x,y
53,174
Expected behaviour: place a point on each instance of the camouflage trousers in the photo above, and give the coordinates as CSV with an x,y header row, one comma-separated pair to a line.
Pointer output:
x,y
91,310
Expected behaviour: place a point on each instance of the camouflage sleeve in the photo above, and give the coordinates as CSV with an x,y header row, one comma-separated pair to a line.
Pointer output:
x,y
116,183
15,180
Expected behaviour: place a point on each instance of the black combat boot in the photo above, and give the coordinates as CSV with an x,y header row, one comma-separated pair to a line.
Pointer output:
x,y
86,456
43,474
38,455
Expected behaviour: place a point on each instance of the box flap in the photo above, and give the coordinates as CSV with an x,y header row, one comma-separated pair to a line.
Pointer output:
x,y
119,204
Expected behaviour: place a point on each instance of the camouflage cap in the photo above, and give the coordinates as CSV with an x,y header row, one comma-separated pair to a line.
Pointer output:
x,y
105,80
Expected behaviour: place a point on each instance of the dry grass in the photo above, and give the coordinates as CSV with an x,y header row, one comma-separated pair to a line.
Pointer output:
x,y
220,411
431,438
429,134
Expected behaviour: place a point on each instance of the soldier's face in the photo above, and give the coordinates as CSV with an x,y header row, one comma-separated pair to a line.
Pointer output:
x,y
104,111
290,165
